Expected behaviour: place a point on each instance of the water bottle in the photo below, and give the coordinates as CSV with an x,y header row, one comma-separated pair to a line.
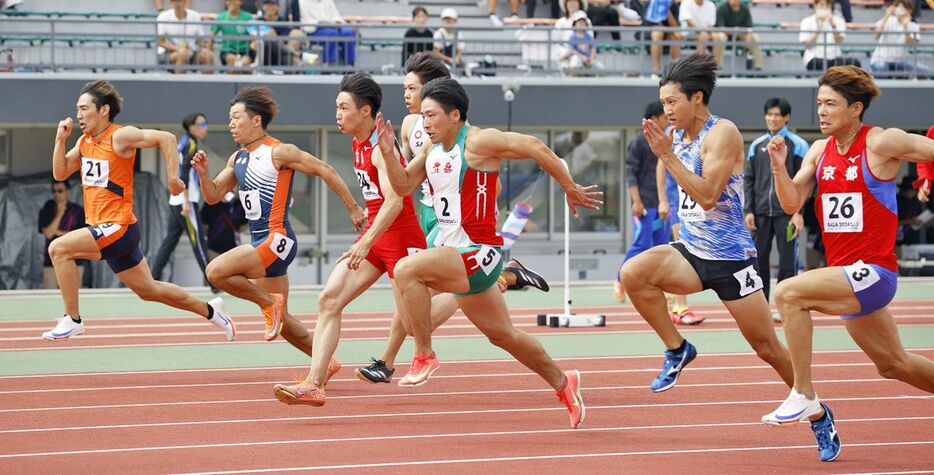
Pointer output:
x,y
515,223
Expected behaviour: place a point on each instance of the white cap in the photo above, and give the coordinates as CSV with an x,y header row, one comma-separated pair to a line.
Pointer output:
x,y
579,15
449,13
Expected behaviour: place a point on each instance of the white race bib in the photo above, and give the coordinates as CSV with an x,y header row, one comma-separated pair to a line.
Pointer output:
x,y
688,209
843,212
107,229
251,205
370,191
749,281
488,257
861,275
281,245
448,209
95,172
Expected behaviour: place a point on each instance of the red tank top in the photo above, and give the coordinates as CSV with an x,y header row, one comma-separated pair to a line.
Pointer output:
x,y
857,211
368,177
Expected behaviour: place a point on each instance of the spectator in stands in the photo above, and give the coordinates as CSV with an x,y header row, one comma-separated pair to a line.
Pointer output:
x,y
846,10
11,4
57,217
765,217
224,220
603,13
324,12
698,17
491,9
734,14
662,13
182,38
448,45
895,32
555,10
569,8
275,48
418,38
821,34
184,217
581,52
235,52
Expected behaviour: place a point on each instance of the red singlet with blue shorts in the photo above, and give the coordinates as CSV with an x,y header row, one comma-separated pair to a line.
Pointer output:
x,y
404,236
859,218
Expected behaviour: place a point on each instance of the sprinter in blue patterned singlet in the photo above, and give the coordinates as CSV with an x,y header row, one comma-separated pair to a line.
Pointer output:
x,y
715,251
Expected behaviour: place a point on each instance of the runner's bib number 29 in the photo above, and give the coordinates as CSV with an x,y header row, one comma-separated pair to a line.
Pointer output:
x,y
688,209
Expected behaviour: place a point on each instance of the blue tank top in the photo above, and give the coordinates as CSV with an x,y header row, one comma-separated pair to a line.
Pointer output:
x,y
719,233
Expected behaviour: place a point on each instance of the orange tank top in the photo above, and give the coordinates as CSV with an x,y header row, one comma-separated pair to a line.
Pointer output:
x,y
107,180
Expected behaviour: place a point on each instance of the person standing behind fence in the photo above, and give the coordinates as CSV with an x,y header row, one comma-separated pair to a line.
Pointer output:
x,y
315,12
184,216
764,215
182,39
58,216
417,38
895,32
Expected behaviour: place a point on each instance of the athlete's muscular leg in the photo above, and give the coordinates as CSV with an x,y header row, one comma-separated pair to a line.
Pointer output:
x,y
292,329
139,279
343,286
233,270
648,276
825,290
443,306
77,244
487,310
754,318
441,269
877,335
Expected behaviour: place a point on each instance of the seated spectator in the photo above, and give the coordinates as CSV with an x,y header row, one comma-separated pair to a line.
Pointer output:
x,y
662,13
821,34
554,12
603,13
182,37
57,217
315,12
448,45
845,10
418,38
895,32
734,14
235,52
698,17
582,48
491,9
564,25
275,50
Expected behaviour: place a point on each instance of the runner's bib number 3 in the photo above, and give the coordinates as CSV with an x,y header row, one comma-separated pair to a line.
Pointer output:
x,y
251,206
861,275
688,209
843,212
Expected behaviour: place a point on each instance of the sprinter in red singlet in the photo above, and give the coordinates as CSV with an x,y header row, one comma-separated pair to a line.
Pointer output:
x,y
854,170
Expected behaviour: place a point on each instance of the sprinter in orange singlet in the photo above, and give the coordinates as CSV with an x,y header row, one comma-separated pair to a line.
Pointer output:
x,y
104,157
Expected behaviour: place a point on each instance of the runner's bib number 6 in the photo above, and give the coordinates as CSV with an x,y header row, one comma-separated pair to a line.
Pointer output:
x,y
251,206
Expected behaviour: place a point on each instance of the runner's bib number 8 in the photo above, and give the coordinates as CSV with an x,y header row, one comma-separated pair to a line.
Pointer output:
x,y
281,245
251,206
843,212
688,209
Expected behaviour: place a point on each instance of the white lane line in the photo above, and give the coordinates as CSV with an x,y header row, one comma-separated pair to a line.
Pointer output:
x,y
446,362
435,377
429,414
639,387
566,456
431,436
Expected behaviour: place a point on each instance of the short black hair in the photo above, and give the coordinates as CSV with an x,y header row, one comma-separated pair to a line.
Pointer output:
x,y
417,10
449,93
364,90
783,106
426,66
190,120
697,72
653,110
104,93
257,100
65,182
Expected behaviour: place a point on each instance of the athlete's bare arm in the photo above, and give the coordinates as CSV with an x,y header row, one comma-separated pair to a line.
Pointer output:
x,y
900,145
489,146
792,193
721,147
406,180
64,163
214,190
404,134
290,156
127,139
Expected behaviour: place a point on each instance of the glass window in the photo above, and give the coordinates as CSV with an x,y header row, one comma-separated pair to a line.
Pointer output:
x,y
340,156
526,182
594,158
